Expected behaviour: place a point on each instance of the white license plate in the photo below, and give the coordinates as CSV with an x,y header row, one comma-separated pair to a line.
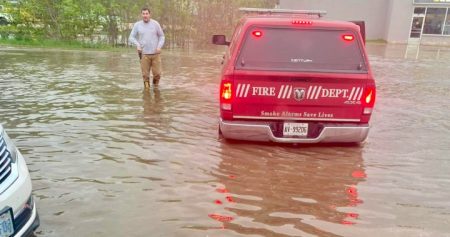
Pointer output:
x,y
295,129
6,223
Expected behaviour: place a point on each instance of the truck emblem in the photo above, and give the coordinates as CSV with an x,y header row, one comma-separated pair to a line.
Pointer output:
x,y
299,93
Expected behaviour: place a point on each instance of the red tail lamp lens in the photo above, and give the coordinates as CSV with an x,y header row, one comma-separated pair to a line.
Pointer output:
x,y
369,97
226,91
257,33
348,38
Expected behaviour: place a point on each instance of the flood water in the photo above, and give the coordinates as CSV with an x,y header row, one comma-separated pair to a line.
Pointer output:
x,y
109,159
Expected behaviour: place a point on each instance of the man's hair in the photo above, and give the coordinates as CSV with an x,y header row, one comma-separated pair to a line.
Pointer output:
x,y
145,9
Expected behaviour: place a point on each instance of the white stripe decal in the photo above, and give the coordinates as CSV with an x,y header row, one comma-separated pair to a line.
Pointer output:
x,y
280,92
286,91
318,93
246,91
313,92
356,93
360,94
351,94
309,92
241,94
290,92
237,90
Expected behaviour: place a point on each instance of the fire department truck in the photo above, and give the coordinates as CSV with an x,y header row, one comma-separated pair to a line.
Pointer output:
x,y
289,76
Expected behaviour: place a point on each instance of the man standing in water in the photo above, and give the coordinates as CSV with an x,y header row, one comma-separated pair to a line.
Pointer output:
x,y
148,37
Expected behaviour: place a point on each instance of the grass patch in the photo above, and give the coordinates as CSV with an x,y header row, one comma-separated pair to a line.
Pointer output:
x,y
61,44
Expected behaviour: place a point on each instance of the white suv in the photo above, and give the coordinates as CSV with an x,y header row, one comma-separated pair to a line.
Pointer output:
x,y
18,215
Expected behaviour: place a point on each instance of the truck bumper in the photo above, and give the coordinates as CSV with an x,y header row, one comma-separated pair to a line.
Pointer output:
x,y
261,131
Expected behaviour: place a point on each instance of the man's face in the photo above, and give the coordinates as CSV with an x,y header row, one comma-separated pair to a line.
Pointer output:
x,y
145,15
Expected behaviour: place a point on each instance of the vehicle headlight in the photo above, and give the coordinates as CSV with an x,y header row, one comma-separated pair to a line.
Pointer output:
x,y
10,146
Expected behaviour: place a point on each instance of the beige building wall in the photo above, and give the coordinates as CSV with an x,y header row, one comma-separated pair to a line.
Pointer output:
x,y
373,12
388,20
399,20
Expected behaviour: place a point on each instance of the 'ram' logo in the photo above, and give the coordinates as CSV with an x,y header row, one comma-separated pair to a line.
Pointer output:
x,y
299,93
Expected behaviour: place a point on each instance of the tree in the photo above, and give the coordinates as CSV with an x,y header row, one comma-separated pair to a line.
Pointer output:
x,y
110,21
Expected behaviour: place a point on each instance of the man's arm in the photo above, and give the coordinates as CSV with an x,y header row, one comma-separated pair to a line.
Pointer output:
x,y
133,36
161,38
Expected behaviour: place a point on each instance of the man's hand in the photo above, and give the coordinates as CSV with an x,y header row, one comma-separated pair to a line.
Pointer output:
x,y
158,50
139,50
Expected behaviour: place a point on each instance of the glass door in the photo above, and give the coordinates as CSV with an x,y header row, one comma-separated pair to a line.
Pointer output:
x,y
417,24
416,27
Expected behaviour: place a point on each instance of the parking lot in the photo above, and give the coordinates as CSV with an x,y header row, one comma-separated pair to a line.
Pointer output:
x,y
109,159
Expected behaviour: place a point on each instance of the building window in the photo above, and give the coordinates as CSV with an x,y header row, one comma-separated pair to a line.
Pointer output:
x,y
434,21
419,10
431,1
447,24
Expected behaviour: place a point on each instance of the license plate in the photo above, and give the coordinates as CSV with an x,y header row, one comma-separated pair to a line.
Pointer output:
x,y
295,129
6,223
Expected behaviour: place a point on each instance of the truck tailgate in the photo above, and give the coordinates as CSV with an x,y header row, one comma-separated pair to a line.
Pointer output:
x,y
302,98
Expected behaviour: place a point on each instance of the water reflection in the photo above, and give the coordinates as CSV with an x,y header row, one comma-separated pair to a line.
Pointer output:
x,y
152,102
288,191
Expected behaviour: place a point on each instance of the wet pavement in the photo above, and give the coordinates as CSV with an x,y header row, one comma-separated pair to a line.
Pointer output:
x,y
109,159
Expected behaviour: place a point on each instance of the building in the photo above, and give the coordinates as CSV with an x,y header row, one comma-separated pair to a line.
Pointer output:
x,y
395,21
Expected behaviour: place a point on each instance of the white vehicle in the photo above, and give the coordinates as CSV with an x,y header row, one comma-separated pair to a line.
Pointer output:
x,y
18,214
5,18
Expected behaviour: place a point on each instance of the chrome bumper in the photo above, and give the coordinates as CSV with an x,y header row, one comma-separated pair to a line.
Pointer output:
x,y
260,131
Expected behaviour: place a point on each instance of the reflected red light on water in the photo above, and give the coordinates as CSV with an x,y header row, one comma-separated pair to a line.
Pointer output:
x,y
230,199
353,215
222,190
232,177
359,174
352,191
347,223
221,218
218,202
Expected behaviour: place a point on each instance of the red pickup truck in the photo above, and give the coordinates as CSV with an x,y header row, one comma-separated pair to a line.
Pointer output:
x,y
290,77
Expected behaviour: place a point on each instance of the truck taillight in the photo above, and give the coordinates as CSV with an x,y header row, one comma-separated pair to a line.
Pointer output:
x,y
369,97
257,33
301,22
348,38
226,93
369,100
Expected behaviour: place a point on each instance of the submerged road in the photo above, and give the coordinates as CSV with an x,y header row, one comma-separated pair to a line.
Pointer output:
x,y
109,159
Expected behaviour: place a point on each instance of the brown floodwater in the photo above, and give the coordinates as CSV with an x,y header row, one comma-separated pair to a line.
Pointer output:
x,y
109,159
